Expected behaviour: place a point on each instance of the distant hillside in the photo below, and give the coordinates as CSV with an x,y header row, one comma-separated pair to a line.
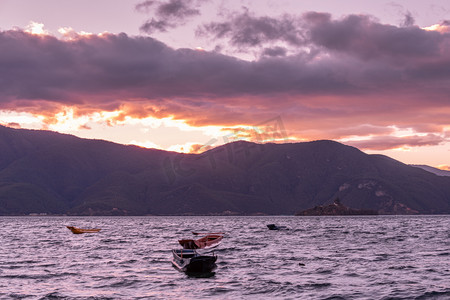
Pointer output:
x,y
47,172
436,171
336,209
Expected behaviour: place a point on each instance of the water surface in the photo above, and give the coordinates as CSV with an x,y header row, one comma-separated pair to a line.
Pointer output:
x,y
366,257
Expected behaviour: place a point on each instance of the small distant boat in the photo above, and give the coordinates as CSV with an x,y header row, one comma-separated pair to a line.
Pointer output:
x,y
208,241
275,227
77,230
188,260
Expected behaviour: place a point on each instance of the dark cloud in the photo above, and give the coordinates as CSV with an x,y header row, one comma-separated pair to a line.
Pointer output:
x,y
153,25
356,71
247,30
145,6
409,20
176,9
121,67
362,36
275,51
354,35
167,14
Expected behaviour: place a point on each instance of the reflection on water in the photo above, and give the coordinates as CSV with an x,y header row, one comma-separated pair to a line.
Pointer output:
x,y
370,257
200,275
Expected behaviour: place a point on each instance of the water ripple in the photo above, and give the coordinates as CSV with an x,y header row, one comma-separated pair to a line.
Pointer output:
x,y
376,257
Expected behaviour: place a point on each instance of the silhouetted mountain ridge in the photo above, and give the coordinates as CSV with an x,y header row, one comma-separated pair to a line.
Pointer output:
x,y
47,172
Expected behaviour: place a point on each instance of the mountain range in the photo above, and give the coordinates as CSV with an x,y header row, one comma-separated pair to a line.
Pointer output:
x,y
433,170
52,173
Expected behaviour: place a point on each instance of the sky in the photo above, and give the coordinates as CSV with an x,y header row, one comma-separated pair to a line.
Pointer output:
x,y
188,75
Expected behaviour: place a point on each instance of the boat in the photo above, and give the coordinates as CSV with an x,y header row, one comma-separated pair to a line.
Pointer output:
x,y
275,227
188,260
77,230
208,241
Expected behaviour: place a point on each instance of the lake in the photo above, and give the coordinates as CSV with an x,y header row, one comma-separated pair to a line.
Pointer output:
x,y
354,257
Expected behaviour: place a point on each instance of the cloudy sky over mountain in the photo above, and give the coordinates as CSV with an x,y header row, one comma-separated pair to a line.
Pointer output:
x,y
187,75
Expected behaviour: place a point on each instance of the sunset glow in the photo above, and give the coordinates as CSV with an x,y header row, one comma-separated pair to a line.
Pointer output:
x,y
438,27
36,28
368,80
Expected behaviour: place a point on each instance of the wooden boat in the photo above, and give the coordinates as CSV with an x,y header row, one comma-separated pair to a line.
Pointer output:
x,y
77,230
208,241
188,260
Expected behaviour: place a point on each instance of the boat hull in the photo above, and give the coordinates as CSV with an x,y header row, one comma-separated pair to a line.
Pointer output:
x,y
77,230
275,227
202,264
190,261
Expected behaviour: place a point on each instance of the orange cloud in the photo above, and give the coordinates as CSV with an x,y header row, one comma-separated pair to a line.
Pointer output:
x,y
444,167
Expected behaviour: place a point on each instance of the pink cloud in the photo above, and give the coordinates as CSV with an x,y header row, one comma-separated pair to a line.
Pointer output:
x,y
12,125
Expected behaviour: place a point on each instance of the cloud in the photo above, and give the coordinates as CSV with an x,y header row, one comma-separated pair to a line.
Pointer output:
x,y
353,70
145,144
444,167
275,51
245,30
199,148
168,14
364,37
12,125
392,142
145,6
359,36
111,69
442,27
190,148
153,25
361,130
36,28
409,20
